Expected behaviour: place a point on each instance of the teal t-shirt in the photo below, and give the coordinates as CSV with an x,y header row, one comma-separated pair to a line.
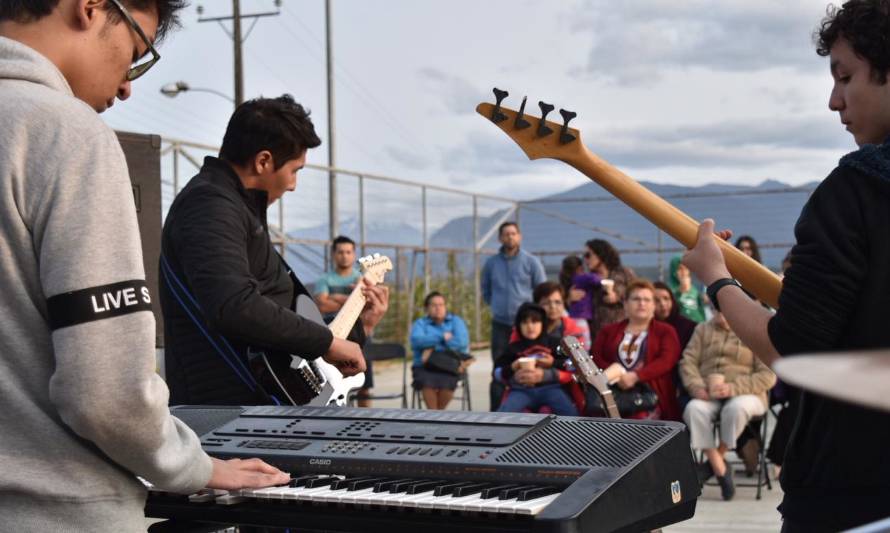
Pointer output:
x,y
333,283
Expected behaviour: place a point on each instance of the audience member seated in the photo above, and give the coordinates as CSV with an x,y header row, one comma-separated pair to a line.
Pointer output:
x,y
530,367
725,380
690,300
444,333
667,311
608,299
642,350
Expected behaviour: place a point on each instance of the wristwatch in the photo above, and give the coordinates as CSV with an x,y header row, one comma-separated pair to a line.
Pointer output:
x,y
713,288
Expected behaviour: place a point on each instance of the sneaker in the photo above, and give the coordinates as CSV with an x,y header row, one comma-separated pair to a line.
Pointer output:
x,y
750,455
727,488
705,472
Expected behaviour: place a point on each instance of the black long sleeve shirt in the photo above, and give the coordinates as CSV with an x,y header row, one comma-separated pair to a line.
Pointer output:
x,y
836,297
216,241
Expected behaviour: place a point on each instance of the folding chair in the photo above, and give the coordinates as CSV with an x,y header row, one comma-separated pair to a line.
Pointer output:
x,y
382,351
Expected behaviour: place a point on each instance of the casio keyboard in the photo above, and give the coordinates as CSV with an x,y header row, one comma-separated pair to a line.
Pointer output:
x,y
392,470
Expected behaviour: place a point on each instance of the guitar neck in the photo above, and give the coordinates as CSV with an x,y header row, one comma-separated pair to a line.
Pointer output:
x,y
756,278
349,313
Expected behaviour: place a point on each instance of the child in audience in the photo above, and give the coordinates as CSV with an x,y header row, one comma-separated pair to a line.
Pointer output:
x,y
529,365
579,287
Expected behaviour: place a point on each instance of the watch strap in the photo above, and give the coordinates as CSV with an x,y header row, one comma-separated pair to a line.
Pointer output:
x,y
713,288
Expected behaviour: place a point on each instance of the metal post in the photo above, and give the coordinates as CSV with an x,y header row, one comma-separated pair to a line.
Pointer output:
x,y
332,177
236,39
660,258
426,244
361,212
411,281
175,169
477,274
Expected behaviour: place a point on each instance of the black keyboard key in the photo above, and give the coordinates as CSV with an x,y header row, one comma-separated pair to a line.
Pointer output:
x,y
495,491
302,480
537,492
344,483
402,486
423,486
466,490
363,483
509,494
320,482
448,488
384,486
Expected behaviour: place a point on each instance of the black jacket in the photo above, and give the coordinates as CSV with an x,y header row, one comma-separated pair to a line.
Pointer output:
x,y
216,242
835,297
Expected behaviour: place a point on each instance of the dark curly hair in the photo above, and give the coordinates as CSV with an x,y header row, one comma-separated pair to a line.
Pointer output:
x,y
865,24
606,252
755,250
32,10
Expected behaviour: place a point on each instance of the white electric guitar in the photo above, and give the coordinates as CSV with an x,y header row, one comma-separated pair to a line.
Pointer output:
x,y
299,381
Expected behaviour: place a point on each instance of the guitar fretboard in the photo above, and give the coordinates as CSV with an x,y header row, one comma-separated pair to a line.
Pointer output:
x,y
349,313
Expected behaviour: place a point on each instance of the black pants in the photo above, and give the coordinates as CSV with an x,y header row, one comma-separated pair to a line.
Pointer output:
x,y
500,338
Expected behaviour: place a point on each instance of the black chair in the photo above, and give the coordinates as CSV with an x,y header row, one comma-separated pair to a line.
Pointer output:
x,y
382,351
757,428
463,385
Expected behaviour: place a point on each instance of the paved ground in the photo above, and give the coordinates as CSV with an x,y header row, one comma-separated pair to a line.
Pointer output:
x,y
743,514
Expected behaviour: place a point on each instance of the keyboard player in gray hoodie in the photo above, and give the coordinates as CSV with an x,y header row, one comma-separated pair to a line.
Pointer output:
x,y
83,411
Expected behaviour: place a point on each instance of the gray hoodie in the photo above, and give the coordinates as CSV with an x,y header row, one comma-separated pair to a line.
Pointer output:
x,y
82,411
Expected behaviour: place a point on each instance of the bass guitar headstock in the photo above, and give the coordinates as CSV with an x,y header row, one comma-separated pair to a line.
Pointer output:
x,y
375,267
538,137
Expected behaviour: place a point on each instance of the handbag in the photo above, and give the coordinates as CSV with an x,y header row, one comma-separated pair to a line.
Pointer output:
x,y
637,399
445,361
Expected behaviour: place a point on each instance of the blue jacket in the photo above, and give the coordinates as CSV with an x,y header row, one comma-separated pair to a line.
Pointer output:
x,y
507,282
427,334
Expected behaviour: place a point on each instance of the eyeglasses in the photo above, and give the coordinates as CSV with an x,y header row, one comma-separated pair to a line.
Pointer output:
x,y
551,303
137,71
639,300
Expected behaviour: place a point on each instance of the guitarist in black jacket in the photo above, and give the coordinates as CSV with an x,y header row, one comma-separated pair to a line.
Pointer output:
x,y
223,286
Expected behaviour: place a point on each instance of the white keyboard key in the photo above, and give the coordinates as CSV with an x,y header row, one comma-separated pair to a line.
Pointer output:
x,y
530,507
351,497
449,503
411,500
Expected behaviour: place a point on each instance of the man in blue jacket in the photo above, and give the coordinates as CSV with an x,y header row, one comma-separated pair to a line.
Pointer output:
x,y
508,280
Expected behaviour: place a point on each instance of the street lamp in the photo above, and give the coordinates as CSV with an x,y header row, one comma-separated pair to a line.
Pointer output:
x,y
171,90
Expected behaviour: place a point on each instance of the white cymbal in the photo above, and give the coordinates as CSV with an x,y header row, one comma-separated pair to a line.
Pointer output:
x,y
862,378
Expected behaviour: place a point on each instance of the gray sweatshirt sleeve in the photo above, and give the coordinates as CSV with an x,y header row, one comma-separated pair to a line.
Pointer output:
x,y
104,384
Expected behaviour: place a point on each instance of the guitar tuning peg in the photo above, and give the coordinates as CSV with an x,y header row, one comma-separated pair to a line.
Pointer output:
x,y
520,123
496,115
546,108
564,136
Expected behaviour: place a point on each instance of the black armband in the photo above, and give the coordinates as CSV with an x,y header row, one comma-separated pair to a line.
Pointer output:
x,y
98,303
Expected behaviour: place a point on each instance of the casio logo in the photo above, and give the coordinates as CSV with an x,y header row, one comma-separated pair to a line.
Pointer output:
x,y
319,461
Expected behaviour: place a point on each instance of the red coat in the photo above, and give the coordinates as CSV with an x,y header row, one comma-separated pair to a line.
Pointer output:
x,y
662,355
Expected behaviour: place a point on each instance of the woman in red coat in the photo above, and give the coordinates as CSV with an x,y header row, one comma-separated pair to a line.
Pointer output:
x,y
645,349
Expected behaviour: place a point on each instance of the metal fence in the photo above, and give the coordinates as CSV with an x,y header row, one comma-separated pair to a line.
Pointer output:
x,y
439,237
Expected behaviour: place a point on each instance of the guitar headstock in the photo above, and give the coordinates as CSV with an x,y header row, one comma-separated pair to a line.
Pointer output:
x,y
375,267
584,363
538,137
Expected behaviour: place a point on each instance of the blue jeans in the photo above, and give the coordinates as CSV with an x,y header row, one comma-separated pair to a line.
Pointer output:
x,y
553,396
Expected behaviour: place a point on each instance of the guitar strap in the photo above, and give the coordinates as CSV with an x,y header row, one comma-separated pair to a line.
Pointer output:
x,y
219,343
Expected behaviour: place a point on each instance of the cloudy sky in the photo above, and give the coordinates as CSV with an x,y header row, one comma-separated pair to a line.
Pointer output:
x,y
681,91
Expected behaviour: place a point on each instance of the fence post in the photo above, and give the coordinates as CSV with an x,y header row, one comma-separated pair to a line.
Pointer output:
x,y
426,244
477,275
361,212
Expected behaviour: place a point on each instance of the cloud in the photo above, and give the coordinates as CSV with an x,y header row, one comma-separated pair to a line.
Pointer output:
x,y
406,158
458,95
637,42
486,154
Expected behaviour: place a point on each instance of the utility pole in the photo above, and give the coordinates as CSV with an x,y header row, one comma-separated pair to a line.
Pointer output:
x,y
332,176
237,39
